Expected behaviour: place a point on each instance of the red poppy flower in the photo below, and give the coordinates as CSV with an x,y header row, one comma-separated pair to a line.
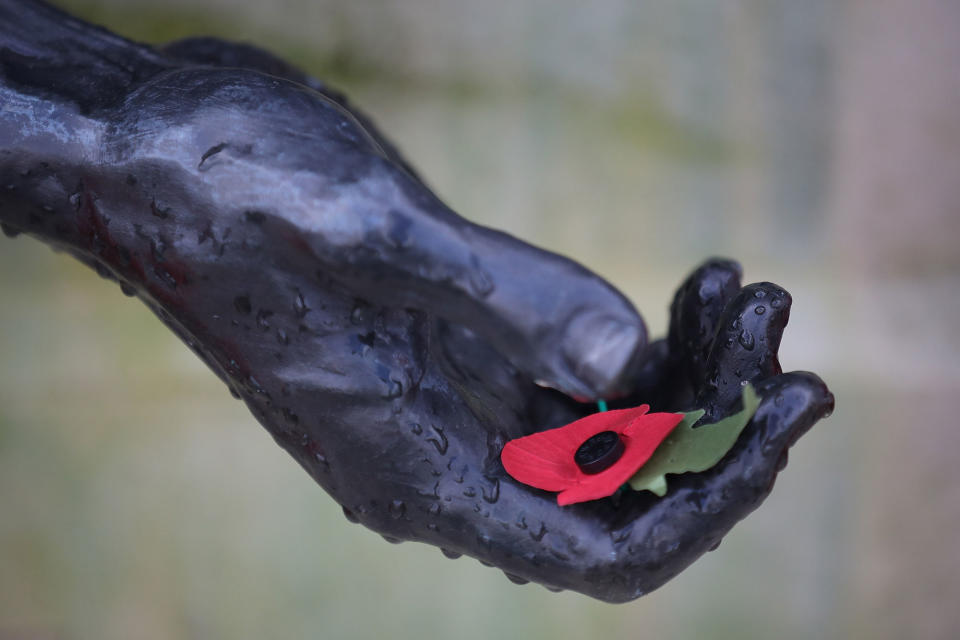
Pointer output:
x,y
591,457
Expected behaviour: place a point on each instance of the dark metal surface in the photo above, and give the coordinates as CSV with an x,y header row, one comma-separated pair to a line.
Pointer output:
x,y
388,345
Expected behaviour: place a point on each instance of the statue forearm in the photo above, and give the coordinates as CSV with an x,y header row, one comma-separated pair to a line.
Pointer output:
x,y
58,75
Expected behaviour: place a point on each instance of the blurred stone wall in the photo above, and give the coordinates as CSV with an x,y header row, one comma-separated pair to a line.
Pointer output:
x,y
816,141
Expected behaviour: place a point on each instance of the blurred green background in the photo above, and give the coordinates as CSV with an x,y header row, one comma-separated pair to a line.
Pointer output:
x,y
816,141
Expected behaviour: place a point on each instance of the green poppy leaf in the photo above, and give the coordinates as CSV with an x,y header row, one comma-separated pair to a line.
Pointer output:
x,y
692,450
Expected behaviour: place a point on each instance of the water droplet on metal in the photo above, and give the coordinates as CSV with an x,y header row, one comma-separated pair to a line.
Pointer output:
x,y
159,211
515,579
282,337
263,319
395,389
481,282
435,509
760,310
493,494
359,313
746,340
440,442
127,290
450,553
433,495
350,515
255,385
322,460
397,509
212,151
300,306
538,536
619,536
346,129
695,500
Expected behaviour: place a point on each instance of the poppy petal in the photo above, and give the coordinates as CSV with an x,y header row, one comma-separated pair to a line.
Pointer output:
x,y
587,491
532,466
641,439
614,420
578,431
652,429
545,460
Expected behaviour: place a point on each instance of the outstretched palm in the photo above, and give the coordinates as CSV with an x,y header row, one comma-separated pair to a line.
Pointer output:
x,y
389,345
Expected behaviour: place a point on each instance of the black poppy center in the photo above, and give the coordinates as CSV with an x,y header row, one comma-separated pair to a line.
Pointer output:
x,y
599,452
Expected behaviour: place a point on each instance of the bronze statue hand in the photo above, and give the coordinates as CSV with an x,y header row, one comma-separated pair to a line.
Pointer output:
x,y
389,345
